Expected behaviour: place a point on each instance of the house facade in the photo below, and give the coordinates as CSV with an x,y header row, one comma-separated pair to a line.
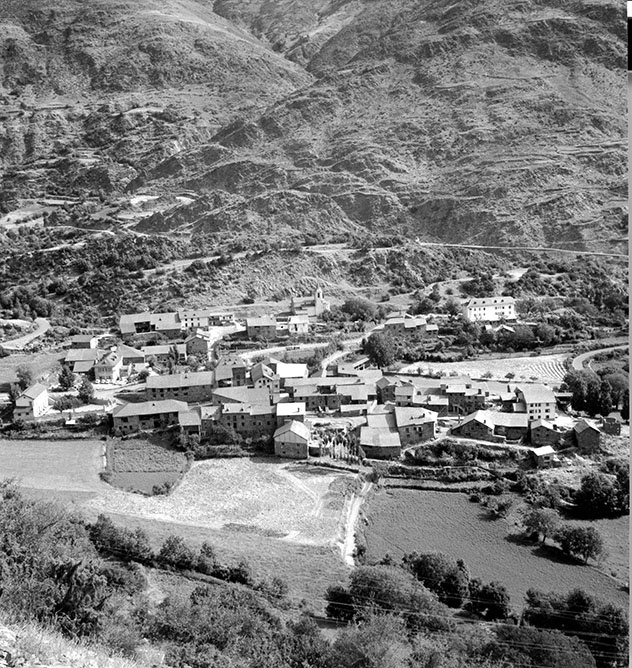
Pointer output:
x,y
191,387
291,440
490,309
261,328
108,369
32,403
415,425
147,416
544,433
587,436
537,401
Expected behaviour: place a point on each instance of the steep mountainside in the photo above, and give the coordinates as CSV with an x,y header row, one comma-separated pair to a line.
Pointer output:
x,y
437,121
256,122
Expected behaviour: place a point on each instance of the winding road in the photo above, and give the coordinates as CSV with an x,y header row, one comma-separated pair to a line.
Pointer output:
x,y
18,344
578,362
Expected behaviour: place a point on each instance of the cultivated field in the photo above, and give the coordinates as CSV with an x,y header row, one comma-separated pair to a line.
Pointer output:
x,y
400,521
138,465
544,368
66,466
264,497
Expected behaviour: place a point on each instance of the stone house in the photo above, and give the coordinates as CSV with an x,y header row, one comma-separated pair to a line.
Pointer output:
x,y
544,456
190,387
544,433
291,440
415,425
587,436
262,375
147,415
261,328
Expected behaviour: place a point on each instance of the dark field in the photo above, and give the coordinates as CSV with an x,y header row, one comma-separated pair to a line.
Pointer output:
x,y
400,521
139,465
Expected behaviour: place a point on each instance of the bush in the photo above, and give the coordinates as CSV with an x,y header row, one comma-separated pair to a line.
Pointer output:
x,y
176,554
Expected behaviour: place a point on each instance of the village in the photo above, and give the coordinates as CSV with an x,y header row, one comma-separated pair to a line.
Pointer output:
x,y
196,373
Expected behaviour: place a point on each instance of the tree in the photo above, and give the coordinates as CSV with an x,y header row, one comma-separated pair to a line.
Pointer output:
x,y
625,405
359,309
541,521
339,604
25,376
66,378
585,542
384,589
618,386
377,642
380,348
598,496
449,580
175,553
490,601
605,398
528,646
86,391
65,403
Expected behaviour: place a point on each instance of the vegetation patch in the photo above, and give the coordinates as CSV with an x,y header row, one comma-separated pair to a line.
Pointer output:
x,y
400,521
140,465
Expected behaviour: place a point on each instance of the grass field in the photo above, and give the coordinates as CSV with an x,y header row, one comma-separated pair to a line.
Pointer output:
x,y
138,464
71,466
39,363
401,521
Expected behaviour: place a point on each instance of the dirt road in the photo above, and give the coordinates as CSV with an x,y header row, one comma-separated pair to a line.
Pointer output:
x,y
18,344
578,362
353,511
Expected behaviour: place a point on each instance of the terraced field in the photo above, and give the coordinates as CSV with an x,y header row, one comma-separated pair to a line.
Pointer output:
x,y
545,369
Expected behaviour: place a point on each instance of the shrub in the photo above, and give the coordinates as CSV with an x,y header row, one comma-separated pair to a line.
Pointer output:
x,y
176,554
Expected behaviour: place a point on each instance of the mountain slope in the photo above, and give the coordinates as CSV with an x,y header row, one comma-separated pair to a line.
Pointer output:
x,y
437,121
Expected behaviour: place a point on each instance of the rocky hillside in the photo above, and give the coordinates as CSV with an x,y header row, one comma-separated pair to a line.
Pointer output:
x,y
317,120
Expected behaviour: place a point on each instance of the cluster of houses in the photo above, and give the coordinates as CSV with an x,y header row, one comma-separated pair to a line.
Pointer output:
x,y
280,400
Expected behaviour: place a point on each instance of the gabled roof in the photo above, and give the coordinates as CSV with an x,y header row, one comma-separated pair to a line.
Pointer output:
x,y
536,393
294,427
109,360
82,367
165,321
375,437
189,419
194,313
263,321
260,370
543,423
290,408
163,349
490,301
82,338
583,425
194,379
285,370
127,351
544,450
150,408
298,320
413,416
33,391
242,395
82,355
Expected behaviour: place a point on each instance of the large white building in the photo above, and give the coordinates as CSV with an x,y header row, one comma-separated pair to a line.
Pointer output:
x,y
490,309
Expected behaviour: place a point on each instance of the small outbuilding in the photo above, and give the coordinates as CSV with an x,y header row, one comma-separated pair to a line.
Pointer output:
x,y
544,457
291,440
587,436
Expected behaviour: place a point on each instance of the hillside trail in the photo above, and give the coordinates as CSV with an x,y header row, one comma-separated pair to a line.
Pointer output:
x,y
353,511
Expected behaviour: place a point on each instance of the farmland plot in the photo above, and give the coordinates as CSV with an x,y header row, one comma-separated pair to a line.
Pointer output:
x,y
401,521
264,497
66,466
544,368
139,465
